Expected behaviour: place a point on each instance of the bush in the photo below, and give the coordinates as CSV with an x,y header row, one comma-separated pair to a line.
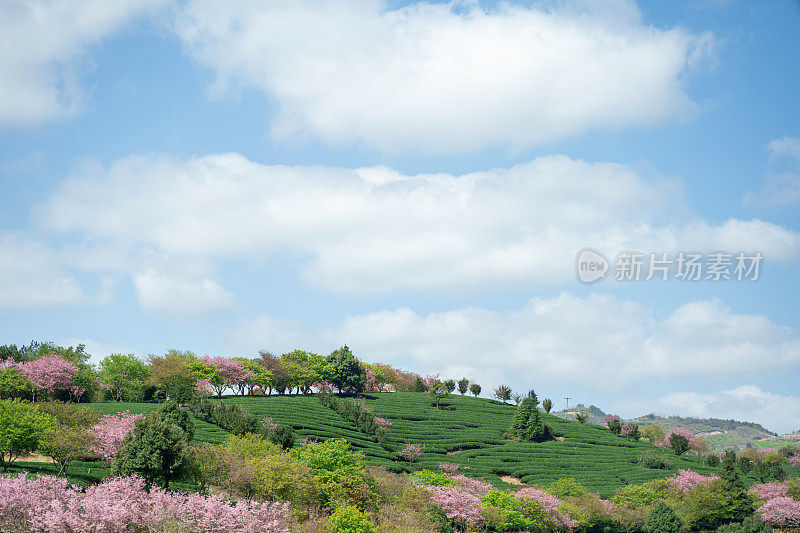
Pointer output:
x,y
348,519
646,494
662,519
505,512
429,477
654,460
172,413
22,426
566,488
282,436
752,524
712,460
710,505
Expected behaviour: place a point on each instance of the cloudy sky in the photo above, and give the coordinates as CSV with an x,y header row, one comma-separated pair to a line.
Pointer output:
x,y
415,180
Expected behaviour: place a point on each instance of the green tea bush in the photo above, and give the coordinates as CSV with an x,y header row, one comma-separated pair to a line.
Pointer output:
x,y
655,460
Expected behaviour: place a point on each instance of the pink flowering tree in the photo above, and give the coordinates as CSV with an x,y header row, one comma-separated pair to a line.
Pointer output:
x,y
613,423
461,507
49,374
780,511
231,373
697,444
686,480
410,452
110,431
767,491
49,503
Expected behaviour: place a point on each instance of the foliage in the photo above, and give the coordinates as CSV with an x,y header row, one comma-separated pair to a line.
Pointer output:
x,y
752,524
780,511
429,477
450,385
653,433
173,413
547,405
410,452
124,375
172,375
678,443
654,460
566,488
156,450
551,505
22,427
110,431
503,393
710,505
581,417
438,391
646,494
347,374
630,430
463,386
686,480
613,423
64,444
230,373
475,389
51,504
528,424
12,382
348,519
461,507
51,373
663,519
505,512
356,412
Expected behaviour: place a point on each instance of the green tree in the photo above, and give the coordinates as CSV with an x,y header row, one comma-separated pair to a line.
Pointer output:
x,y
463,386
761,471
173,413
710,505
419,385
547,405
347,372
475,389
679,444
653,433
172,374
13,383
64,444
745,464
348,519
503,393
22,426
663,519
438,391
124,375
155,450
581,417
451,385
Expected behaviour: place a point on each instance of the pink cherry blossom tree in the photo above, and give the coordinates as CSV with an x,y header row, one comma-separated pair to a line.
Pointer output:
x,y
49,374
231,374
110,431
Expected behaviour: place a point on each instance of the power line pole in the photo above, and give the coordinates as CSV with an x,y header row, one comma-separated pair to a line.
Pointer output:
x,y
568,399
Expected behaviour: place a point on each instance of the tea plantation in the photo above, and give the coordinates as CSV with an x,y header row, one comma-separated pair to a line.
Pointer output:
x,y
467,431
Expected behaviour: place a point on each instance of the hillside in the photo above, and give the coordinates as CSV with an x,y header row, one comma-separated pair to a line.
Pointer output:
x,y
720,434
469,432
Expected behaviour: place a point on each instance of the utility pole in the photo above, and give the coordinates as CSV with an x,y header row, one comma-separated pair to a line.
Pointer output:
x,y
568,399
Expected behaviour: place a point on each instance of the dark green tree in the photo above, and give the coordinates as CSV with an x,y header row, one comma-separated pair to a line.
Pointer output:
x,y
173,413
438,391
419,385
475,389
463,386
155,450
679,444
745,465
761,471
451,385
663,519
547,404
348,374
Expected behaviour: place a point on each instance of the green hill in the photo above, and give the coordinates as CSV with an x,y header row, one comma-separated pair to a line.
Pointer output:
x,y
469,432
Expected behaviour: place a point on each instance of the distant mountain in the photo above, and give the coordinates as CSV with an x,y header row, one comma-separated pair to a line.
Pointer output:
x,y
720,434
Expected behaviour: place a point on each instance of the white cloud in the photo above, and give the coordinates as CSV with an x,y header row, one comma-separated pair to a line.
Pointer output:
x,y
782,183
372,230
596,343
43,43
177,296
446,77
748,402
31,275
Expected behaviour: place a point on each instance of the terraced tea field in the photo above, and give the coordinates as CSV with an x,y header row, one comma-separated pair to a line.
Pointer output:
x,y
469,432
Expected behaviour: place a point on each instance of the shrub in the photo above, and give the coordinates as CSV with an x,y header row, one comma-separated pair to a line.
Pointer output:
x,y
348,519
283,436
710,505
630,430
653,433
712,460
505,512
646,494
654,460
429,477
172,413
410,452
753,524
551,505
566,488
581,417
662,519
793,488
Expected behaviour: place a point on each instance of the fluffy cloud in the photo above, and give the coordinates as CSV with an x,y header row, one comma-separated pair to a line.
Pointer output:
x,y
43,43
748,402
371,230
595,343
782,183
32,276
178,296
445,77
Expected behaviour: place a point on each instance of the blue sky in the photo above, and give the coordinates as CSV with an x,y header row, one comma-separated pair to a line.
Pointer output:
x,y
415,180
